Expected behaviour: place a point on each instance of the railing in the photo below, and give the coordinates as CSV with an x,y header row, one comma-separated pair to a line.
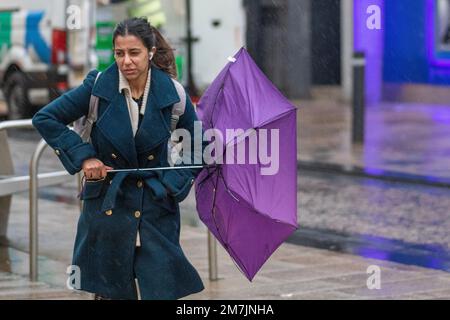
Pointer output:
x,y
10,184
34,195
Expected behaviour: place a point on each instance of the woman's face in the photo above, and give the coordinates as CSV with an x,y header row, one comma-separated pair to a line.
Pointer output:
x,y
132,57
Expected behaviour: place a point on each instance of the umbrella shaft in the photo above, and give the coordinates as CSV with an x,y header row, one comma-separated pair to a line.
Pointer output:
x,y
156,169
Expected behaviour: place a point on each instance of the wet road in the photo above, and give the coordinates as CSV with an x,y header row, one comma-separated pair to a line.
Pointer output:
x,y
400,222
417,214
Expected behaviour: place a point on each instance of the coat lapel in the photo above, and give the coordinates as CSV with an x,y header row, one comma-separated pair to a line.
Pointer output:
x,y
114,122
155,127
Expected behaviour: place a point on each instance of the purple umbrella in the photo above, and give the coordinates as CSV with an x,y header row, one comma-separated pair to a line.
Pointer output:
x,y
250,206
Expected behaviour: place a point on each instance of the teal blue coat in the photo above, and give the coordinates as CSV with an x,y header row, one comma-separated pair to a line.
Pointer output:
x,y
116,208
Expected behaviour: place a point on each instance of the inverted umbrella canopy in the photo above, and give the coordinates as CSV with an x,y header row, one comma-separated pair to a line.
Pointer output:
x,y
250,206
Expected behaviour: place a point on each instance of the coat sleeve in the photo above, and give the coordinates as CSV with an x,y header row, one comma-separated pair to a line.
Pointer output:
x,y
52,120
179,182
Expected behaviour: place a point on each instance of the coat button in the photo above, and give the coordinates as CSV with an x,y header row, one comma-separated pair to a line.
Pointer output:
x,y
139,184
192,181
151,157
137,214
108,212
113,155
57,152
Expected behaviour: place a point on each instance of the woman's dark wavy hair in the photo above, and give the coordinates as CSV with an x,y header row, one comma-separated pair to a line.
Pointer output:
x,y
141,28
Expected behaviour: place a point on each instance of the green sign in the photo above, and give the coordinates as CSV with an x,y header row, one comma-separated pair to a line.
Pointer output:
x,y
5,32
104,44
179,62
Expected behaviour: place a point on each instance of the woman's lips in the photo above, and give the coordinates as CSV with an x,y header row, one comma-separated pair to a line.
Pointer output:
x,y
129,71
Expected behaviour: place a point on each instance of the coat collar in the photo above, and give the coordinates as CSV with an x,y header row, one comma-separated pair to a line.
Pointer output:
x,y
161,86
115,124
133,108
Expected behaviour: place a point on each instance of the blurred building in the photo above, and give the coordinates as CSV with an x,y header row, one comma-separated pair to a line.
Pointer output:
x,y
279,38
277,33
302,43
416,51
218,29
408,57
297,43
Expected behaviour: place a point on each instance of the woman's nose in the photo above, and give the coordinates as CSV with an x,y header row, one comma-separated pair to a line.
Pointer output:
x,y
127,59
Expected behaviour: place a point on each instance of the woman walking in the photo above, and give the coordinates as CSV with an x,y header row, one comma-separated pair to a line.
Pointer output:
x,y
127,244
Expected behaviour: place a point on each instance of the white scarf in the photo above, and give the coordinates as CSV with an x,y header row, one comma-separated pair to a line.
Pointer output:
x,y
133,107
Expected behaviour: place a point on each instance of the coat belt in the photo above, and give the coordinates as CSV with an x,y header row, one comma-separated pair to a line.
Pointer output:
x,y
150,178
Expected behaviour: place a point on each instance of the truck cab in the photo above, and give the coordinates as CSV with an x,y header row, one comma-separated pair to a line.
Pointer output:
x,y
46,48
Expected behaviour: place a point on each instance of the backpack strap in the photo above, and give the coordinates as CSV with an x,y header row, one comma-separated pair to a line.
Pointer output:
x,y
93,103
178,108
93,111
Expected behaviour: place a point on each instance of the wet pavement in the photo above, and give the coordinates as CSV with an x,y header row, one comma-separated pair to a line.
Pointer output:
x,y
292,272
3,106
346,225
17,287
407,138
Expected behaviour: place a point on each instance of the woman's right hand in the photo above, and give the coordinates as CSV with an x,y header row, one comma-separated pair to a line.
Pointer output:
x,y
94,169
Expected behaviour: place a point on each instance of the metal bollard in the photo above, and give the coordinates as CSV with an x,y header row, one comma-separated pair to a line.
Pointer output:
x,y
359,64
212,257
34,235
6,168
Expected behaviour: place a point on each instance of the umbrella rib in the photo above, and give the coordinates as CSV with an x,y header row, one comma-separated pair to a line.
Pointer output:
x,y
213,207
209,174
215,104
210,119
228,190
239,265
226,244
279,116
252,130
217,96
214,212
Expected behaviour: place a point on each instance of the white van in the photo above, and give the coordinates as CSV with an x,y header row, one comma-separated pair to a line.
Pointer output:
x,y
46,48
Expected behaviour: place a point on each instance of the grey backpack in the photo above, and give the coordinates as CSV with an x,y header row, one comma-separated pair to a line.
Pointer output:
x,y
83,126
